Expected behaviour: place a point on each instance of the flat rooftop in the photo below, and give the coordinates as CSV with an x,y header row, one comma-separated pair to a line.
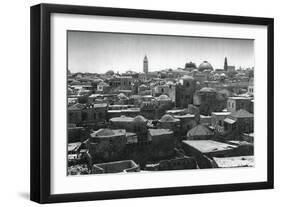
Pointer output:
x,y
239,98
116,167
184,116
156,132
223,113
241,161
100,105
73,146
207,146
124,110
108,133
122,119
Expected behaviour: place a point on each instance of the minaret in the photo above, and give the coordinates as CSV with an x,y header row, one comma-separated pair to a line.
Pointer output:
x,y
145,65
225,64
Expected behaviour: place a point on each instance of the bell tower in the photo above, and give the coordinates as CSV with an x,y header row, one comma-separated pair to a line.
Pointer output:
x,y
225,64
145,65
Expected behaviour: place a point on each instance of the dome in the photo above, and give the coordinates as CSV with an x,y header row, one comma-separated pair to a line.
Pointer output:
x,y
168,118
190,65
110,72
142,86
122,96
199,130
205,66
207,90
163,97
139,118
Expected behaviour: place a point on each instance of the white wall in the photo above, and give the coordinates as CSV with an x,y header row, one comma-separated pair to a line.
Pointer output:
x,y
14,47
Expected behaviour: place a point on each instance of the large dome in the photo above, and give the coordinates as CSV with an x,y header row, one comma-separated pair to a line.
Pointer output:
x,y
190,65
205,66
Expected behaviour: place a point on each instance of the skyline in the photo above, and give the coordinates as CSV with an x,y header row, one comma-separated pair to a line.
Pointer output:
x,y
98,52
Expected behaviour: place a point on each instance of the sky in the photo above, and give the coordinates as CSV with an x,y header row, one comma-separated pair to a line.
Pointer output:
x,y
98,52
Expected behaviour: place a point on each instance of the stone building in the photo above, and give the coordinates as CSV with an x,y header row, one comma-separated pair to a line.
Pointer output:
x,y
239,122
94,115
205,150
236,103
218,120
208,101
185,91
162,143
107,145
168,89
130,112
149,109
114,82
251,87
136,125
187,122
169,122
75,113
126,82
76,134
103,87
164,103
159,145
116,167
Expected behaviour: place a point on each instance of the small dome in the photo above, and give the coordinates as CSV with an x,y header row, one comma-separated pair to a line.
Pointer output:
x,y
205,66
142,86
139,118
103,84
122,96
168,118
199,130
207,90
163,97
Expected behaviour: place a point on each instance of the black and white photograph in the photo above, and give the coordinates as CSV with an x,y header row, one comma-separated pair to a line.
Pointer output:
x,y
146,102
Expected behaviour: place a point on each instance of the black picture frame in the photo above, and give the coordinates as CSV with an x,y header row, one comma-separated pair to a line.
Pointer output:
x,y
41,98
